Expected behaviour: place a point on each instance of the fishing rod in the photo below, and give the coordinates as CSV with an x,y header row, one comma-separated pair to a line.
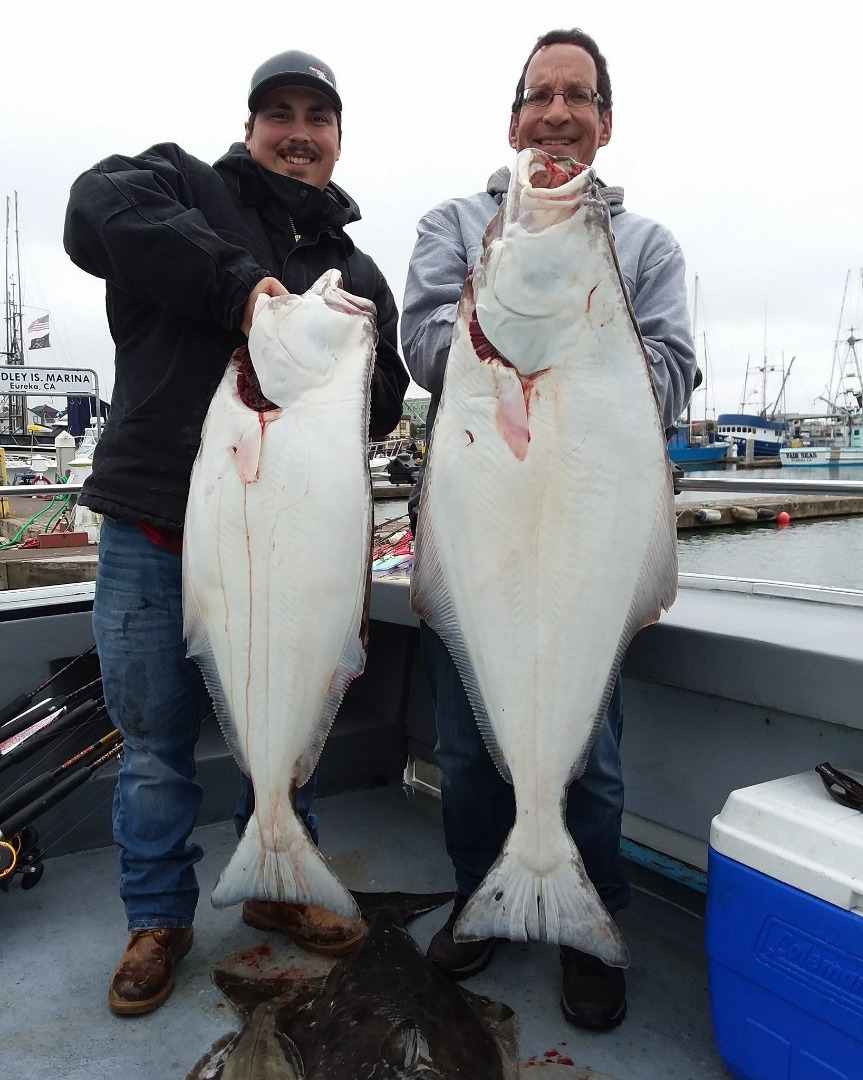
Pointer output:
x,y
39,711
14,741
12,843
14,707
30,717
46,780
88,709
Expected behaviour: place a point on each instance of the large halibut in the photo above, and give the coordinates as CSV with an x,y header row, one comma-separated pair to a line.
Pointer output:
x,y
276,559
546,535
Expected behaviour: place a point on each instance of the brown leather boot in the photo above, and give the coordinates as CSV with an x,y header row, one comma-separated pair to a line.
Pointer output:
x,y
594,994
144,978
311,927
459,959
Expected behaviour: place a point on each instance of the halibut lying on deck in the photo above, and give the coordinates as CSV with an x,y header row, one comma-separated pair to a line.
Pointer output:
x,y
546,535
276,557
383,1013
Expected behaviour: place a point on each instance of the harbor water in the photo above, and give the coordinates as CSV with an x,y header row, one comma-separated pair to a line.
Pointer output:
x,y
826,551
821,552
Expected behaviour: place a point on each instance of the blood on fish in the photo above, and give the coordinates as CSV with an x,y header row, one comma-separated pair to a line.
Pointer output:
x,y
469,435
590,296
512,424
248,387
482,346
553,175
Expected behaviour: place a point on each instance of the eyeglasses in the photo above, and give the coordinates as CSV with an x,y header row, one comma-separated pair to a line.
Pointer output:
x,y
574,97
840,786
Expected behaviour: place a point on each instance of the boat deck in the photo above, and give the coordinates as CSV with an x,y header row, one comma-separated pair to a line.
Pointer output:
x,y
63,937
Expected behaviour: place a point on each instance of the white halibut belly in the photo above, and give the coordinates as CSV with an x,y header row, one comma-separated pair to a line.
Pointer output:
x,y
542,556
276,566
287,590
546,537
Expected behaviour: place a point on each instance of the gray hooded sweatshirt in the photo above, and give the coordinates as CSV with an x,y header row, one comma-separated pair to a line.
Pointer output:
x,y
448,244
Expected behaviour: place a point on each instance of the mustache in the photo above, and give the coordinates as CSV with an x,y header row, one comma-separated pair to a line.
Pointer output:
x,y
299,150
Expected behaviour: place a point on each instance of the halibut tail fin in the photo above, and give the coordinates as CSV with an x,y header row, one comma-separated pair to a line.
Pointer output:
x,y
561,907
293,872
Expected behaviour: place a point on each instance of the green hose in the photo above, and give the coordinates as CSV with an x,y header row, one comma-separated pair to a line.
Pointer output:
x,y
64,499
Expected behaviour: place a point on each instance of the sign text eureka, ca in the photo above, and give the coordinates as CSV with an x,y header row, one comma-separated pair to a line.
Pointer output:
x,y
29,380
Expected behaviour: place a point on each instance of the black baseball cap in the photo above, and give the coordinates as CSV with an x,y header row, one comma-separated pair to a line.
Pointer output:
x,y
293,68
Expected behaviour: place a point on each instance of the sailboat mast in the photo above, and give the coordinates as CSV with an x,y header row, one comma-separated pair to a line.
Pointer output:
x,y
6,297
14,405
694,325
20,285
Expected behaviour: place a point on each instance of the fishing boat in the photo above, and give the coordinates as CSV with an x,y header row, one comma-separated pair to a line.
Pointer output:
x,y
844,445
744,430
770,688
384,452
761,434
685,448
847,449
697,442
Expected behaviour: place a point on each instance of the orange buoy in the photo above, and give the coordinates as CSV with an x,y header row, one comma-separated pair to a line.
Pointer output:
x,y
783,517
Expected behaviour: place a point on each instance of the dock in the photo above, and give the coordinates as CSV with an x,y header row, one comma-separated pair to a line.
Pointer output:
x,y
391,491
764,510
68,559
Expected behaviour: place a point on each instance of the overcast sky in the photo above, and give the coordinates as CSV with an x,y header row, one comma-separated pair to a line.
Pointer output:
x,y
739,125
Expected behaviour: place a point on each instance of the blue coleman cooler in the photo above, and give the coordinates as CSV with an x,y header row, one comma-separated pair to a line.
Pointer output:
x,y
785,932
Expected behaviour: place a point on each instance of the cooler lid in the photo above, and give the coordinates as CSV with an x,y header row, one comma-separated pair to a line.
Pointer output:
x,y
791,830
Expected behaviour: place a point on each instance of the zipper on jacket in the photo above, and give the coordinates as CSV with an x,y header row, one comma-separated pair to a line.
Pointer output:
x,y
297,236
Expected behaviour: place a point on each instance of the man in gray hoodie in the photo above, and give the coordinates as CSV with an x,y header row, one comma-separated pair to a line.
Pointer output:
x,y
563,106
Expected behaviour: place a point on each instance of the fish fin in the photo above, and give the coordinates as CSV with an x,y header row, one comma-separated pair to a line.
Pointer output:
x,y
211,1064
247,452
365,622
655,592
400,905
350,665
656,589
246,993
512,419
198,648
291,871
502,1024
292,1054
560,906
431,601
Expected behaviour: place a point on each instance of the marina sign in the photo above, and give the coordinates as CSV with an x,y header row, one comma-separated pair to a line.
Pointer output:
x,y
30,380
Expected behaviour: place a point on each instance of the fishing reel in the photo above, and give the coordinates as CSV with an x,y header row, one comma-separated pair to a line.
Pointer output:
x,y
19,855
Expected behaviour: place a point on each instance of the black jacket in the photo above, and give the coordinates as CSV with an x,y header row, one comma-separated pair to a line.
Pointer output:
x,y
181,245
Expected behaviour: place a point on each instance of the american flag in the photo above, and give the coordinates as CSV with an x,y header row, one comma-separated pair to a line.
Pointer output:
x,y
38,324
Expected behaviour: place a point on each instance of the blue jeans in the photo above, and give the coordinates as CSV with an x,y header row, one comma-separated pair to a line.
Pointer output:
x,y
155,696
478,805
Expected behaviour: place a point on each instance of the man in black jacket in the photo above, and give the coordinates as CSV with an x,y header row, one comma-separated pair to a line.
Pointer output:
x,y
185,249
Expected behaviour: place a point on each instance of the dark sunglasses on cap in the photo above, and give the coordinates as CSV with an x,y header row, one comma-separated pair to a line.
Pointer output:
x,y
840,786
